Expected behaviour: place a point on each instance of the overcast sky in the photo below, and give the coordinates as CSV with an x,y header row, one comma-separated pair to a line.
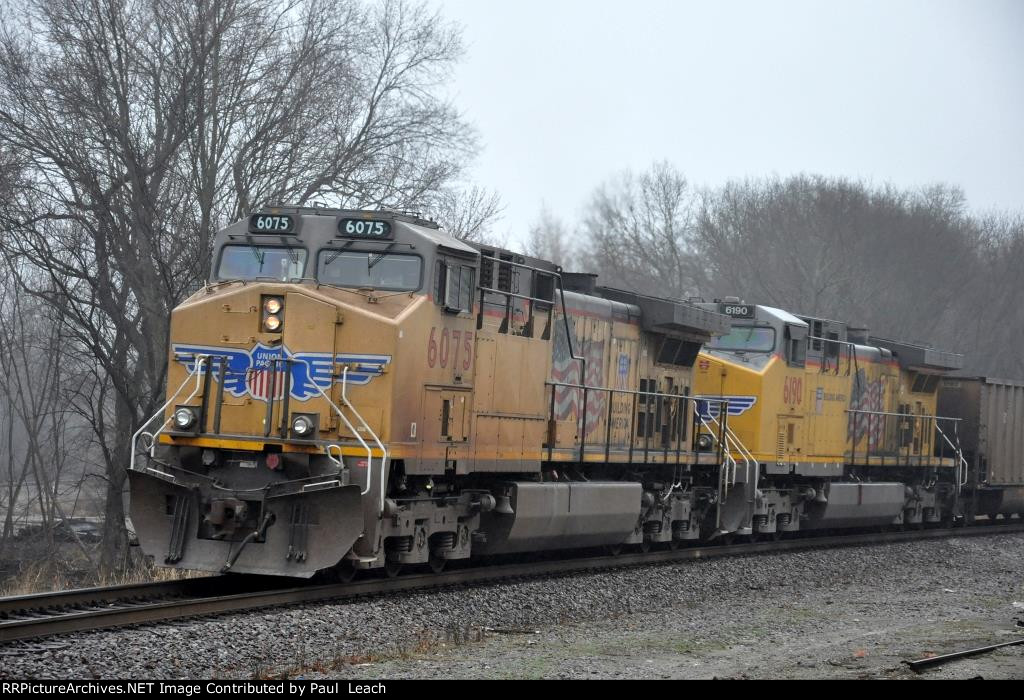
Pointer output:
x,y
566,93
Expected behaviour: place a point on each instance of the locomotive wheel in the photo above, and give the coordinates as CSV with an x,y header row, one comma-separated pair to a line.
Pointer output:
x,y
674,544
345,571
392,568
614,549
436,563
645,546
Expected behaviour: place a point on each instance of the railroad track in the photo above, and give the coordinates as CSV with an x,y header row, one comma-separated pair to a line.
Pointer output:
x,y
46,614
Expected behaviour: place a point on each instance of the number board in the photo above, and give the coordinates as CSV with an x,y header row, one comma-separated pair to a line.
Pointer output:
x,y
272,223
737,310
364,228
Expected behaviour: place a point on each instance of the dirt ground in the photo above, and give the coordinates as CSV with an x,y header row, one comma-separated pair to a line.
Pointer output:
x,y
839,628
802,641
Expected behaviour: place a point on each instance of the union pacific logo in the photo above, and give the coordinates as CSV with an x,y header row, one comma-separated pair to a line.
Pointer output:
x,y
248,372
708,406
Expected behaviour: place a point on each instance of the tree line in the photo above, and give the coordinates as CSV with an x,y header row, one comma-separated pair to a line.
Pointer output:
x,y
910,264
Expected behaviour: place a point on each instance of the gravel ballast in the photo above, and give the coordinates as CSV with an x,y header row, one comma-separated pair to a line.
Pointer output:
x,y
850,612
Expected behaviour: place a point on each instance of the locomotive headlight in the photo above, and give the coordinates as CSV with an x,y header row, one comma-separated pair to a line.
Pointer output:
x,y
184,417
704,442
272,316
304,425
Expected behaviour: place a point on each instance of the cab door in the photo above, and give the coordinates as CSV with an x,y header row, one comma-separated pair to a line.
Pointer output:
x,y
445,427
789,439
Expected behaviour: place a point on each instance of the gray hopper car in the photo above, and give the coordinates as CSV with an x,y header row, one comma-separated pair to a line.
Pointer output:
x,y
992,436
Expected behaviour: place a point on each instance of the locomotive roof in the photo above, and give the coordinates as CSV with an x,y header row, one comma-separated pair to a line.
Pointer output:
x,y
409,217
921,357
321,226
785,316
661,315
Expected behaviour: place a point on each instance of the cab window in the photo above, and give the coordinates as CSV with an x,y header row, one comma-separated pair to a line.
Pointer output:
x,y
363,269
455,286
250,262
745,339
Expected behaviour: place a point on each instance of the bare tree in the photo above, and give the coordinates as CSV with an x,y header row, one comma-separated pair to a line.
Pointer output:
x,y
469,214
550,239
841,249
639,232
141,127
990,325
40,440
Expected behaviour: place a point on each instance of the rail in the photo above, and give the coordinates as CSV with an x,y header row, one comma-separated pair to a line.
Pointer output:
x,y
927,662
383,450
348,424
722,437
909,436
651,427
961,464
493,265
727,473
152,437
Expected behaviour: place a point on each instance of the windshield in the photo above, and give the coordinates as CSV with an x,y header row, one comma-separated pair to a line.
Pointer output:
x,y
249,262
745,339
352,268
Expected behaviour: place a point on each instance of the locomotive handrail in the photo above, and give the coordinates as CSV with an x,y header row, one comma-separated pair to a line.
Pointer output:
x,y
678,398
746,454
383,449
727,477
733,443
196,370
568,385
509,295
717,437
961,466
903,415
348,424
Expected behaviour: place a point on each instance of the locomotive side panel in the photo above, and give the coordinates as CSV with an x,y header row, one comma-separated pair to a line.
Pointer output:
x,y
634,409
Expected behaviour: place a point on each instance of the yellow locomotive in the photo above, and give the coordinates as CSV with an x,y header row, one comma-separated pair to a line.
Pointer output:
x,y
359,390
834,428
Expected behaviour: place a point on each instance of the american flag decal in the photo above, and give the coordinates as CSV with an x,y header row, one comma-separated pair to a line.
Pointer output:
x,y
258,383
566,370
866,396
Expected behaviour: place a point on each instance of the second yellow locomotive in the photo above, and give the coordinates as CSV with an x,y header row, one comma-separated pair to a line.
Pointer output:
x,y
841,426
